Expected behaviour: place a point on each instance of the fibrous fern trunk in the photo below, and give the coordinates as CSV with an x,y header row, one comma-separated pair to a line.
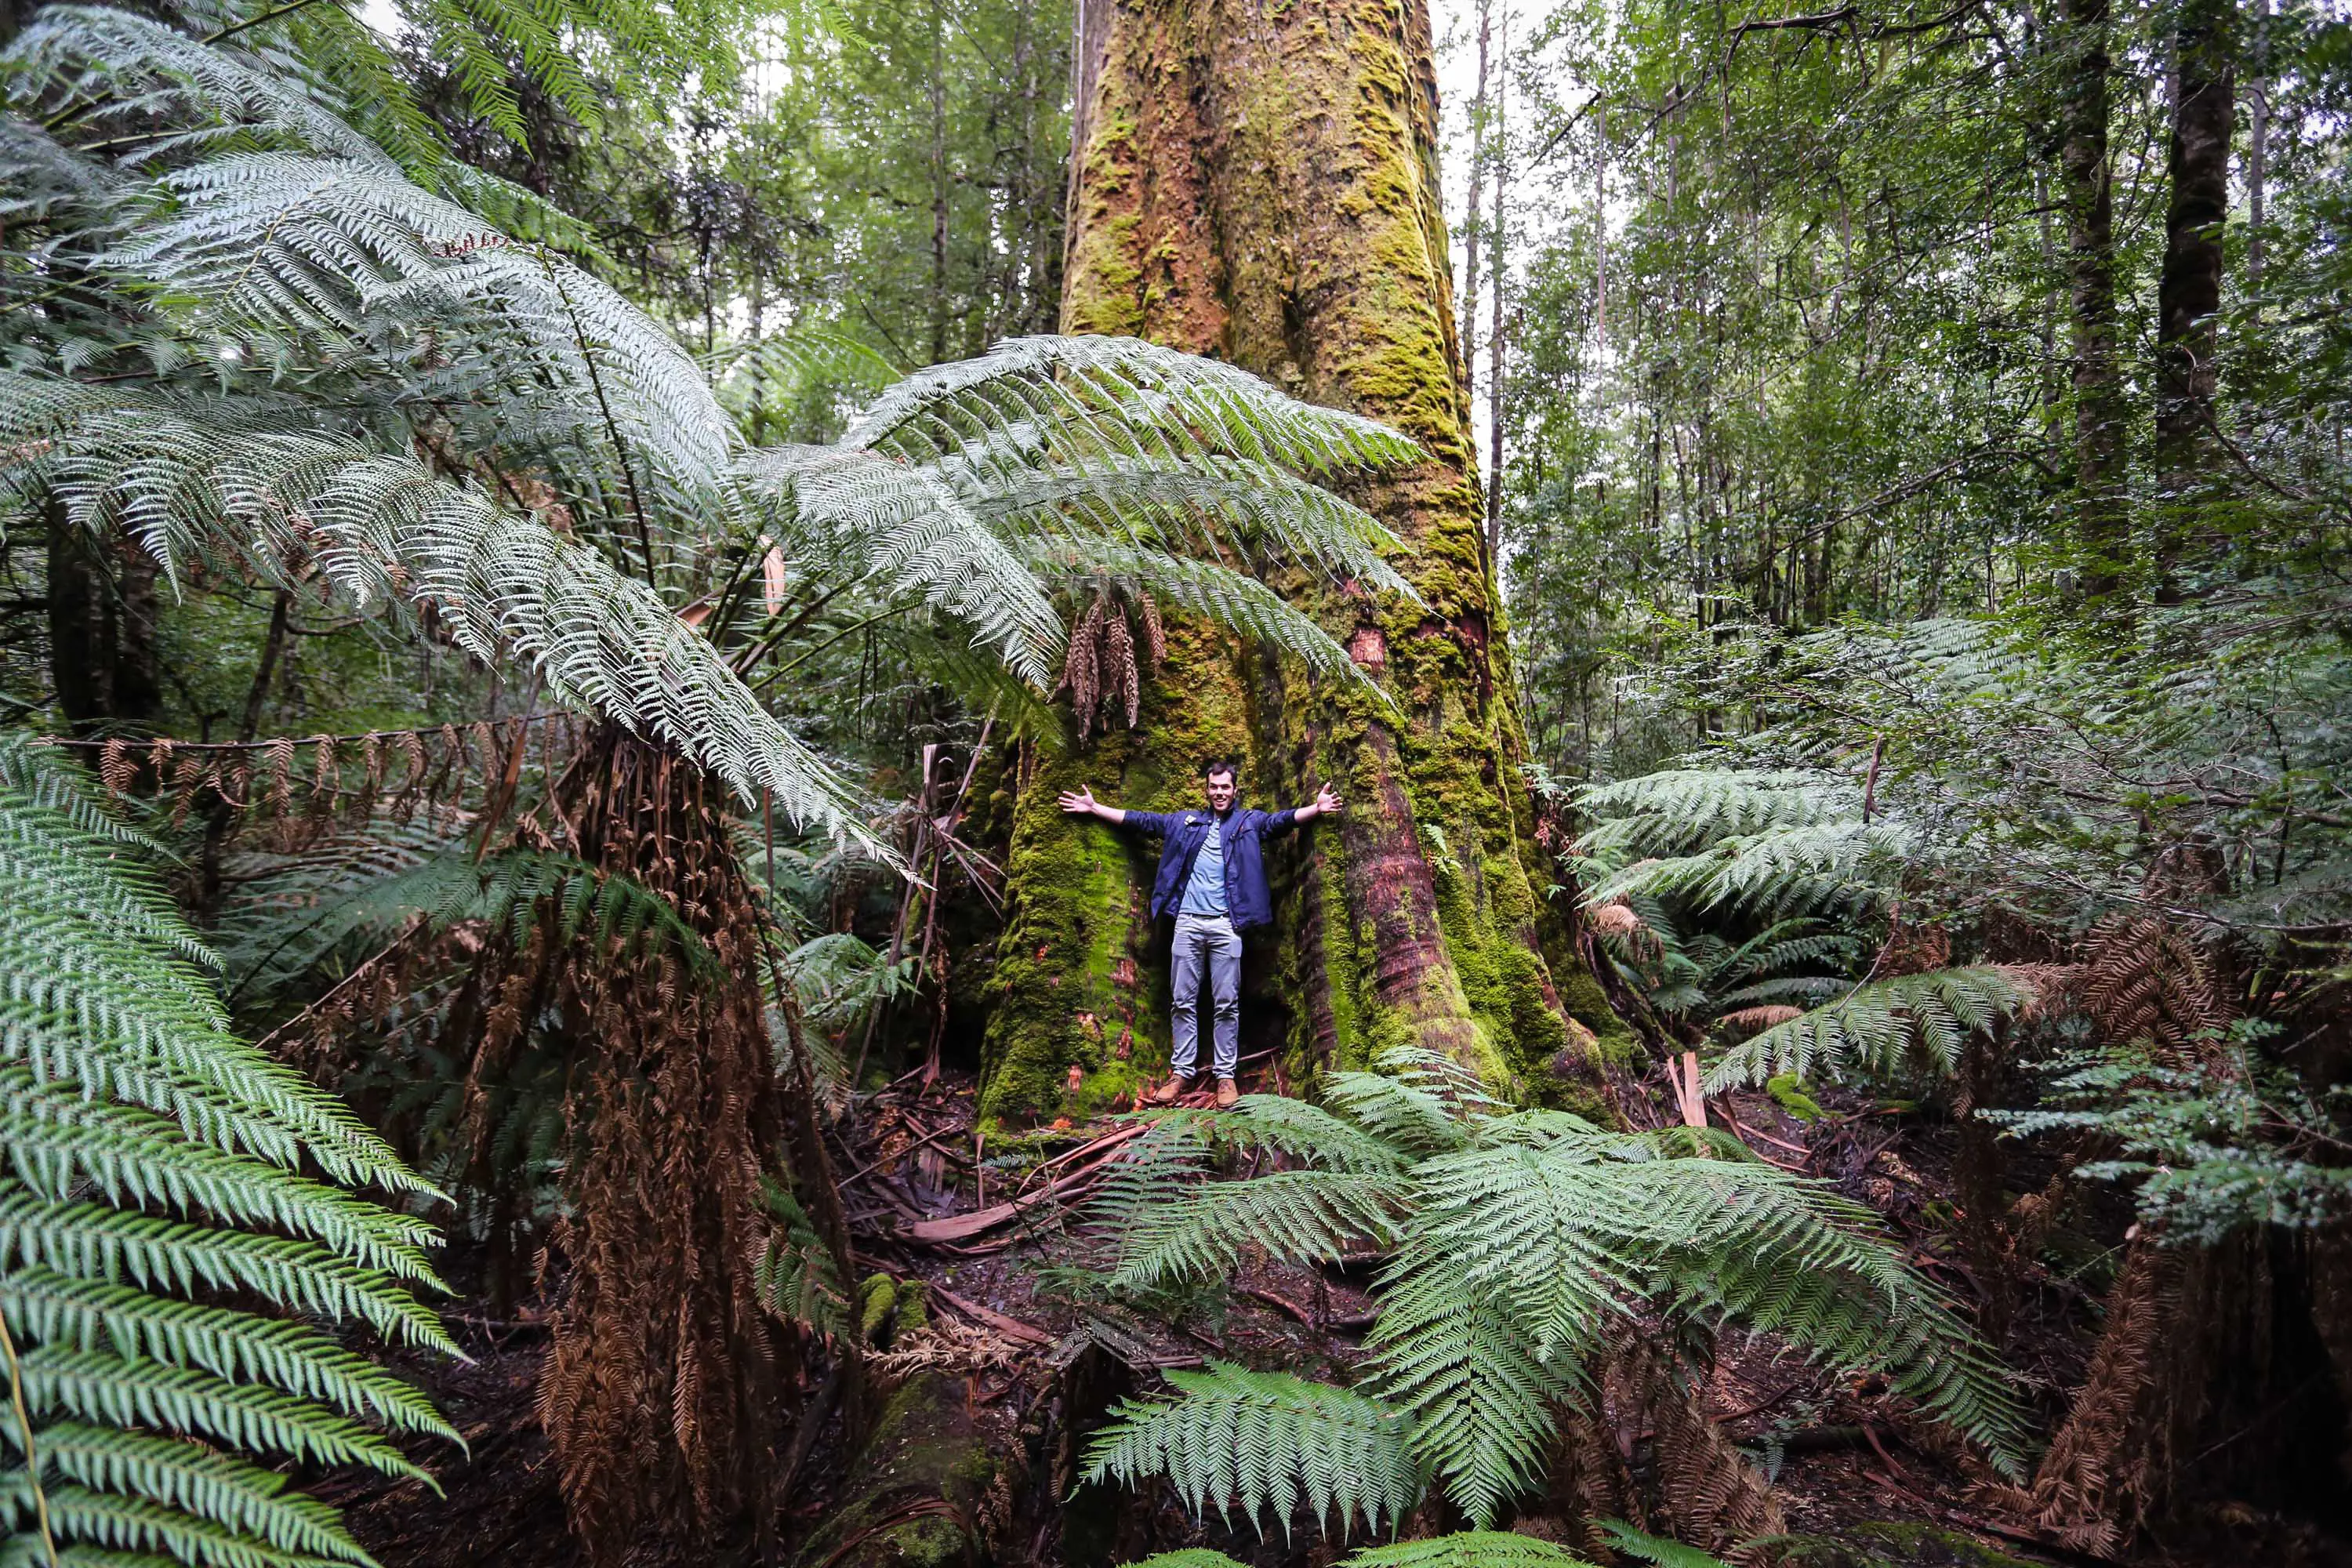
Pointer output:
x,y
660,1392
1259,185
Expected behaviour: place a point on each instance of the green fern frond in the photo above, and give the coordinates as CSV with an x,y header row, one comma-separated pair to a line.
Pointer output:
x,y
1415,1119
1216,594
1189,1557
1675,811
146,1474
1481,1394
92,1314
1915,1022
1133,398
146,1390
91,1241
1267,1441
1656,1550
1201,1230
97,1386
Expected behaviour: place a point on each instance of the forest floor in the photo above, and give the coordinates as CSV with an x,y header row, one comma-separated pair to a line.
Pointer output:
x,y
1017,1356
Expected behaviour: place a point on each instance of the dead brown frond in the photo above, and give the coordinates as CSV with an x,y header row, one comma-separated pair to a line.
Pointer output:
x,y
2144,979
1764,1016
2096,1484
1118,667
658,1393
1913,947
1081,669
1708,1492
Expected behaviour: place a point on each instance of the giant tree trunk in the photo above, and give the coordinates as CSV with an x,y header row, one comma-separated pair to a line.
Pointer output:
x,y
1260,185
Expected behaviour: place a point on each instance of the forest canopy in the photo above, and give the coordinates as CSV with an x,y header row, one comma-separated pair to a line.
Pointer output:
x,y
563,567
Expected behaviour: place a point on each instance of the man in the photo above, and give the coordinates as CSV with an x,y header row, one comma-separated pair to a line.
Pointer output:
x,y
1212,879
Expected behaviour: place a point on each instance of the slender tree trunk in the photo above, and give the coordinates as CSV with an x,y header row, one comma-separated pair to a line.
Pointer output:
x,y
82,623
1495,390
2258,146
1473,218
939,186
1601,234
2102,523
2189,292
1261,184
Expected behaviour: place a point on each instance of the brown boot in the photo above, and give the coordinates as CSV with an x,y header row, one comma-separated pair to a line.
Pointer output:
x,y
1168,1093
1227,1092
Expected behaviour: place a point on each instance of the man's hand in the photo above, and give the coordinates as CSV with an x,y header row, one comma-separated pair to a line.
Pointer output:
x,y
1080,802
1324,804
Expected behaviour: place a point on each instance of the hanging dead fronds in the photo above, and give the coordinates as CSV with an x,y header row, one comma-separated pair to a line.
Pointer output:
x,y
1103,670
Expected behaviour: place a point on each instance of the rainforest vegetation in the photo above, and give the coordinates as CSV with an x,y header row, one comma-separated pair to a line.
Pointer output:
x,y
556,557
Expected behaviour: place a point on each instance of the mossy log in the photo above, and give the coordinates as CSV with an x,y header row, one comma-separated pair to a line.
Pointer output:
x,y
1259,184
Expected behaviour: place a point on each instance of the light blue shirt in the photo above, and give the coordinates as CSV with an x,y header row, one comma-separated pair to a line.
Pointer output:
x,y
1205,893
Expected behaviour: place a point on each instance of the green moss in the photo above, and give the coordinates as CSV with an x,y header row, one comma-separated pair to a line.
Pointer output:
x,y
875,1300
1080,969
922,1444
1787,1090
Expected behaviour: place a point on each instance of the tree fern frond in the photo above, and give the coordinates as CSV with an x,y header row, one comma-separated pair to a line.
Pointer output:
x,y
1912,1021
91,1241
1133,397
92,1314
1812,867
1298,1217
1213,593
94,1386
387,531
1656,1550
1267,1441
1675,811
62,1142
1415,1119
1257,507
323,247
179,1475
911,534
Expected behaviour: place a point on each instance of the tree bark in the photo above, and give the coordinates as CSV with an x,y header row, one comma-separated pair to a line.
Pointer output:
x,y
1261,184
2101,523
2188,291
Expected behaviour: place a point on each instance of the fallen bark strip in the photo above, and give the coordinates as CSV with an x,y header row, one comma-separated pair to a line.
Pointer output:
x,y
962,1226
1010,1327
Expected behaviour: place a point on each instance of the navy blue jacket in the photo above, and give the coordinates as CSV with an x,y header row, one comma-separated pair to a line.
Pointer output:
x,y
1247,903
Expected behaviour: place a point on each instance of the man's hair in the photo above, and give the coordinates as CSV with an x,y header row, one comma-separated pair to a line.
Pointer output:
x,y
1225,765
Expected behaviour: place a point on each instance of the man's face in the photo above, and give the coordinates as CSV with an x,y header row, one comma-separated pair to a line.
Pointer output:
x,y
1221,793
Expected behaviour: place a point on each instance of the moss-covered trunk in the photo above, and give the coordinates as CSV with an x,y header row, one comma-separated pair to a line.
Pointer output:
x,y
1259,184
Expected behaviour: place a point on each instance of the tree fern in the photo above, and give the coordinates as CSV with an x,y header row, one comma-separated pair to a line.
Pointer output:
x,y
1522,1241
142,1255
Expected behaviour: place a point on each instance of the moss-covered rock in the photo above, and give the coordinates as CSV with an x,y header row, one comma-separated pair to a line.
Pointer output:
x,y
923,1447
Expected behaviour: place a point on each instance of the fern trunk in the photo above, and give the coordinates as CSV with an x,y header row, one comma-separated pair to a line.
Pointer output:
x,y
1262,187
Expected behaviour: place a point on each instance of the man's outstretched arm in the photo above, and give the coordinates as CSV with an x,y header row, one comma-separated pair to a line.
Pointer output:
x,y
1324,804
1081,802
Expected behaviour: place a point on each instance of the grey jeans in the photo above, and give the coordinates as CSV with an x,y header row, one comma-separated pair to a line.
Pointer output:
x,y
1210,942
